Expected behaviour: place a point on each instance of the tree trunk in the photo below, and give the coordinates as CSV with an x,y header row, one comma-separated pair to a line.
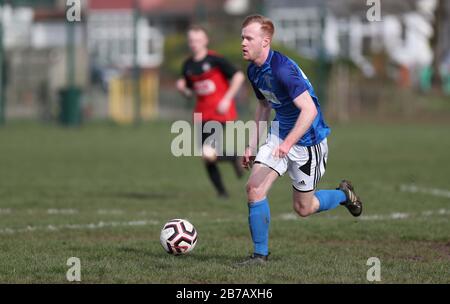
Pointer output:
x,y
438,22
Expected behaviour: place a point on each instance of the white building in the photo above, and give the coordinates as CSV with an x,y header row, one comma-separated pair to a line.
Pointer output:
x,y
402,29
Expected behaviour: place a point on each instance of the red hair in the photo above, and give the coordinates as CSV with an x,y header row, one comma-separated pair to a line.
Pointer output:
x,y
266,24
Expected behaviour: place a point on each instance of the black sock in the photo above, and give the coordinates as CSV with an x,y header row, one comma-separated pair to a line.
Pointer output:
x,y
214,176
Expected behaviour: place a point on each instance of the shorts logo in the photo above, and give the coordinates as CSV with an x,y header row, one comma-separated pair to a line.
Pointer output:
x,y
302,182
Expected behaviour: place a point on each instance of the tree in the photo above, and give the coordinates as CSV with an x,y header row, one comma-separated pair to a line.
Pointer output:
x,y
438,22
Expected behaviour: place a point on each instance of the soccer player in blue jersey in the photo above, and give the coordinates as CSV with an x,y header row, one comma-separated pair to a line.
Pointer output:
x,y
297,141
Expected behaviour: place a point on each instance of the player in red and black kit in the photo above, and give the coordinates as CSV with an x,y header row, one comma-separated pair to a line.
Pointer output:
x,y
215,83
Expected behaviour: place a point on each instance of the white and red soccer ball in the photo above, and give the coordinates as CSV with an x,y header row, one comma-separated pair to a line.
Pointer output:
x,y
178,236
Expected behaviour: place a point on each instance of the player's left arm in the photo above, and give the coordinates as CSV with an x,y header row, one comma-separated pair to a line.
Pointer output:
x,y
235,84
236,79
308,113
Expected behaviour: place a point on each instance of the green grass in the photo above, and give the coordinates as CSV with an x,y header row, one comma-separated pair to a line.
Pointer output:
x,y
110,176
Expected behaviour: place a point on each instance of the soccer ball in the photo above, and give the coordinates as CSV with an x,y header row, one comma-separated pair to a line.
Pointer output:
x,y
178,236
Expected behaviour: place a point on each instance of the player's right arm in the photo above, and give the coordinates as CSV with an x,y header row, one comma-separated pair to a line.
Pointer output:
x,y
262,114
184,85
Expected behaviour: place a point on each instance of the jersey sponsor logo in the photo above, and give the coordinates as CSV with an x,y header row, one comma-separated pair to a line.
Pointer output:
x,y
204,87
270,96
206,67
267,79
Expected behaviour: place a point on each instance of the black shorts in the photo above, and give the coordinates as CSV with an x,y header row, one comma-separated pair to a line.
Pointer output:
x,y
212,129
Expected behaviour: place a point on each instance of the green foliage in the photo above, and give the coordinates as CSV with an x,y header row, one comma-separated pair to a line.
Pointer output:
x,y
229,46
175,52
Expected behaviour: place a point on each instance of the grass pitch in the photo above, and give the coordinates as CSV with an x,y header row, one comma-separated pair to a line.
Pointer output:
x,y
102,193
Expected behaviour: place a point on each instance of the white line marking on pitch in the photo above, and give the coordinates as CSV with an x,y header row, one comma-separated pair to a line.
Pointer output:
x,y
110,211
283,216
431,191
98,225
5,211
62,211
376,217
67,211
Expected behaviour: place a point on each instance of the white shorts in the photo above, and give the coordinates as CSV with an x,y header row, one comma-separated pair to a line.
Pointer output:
x,y
306,165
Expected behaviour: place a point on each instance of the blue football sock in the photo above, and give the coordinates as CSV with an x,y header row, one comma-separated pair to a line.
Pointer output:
x,y
259,220
329,199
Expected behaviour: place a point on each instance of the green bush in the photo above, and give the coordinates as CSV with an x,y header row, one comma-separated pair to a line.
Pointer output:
x,y
175,52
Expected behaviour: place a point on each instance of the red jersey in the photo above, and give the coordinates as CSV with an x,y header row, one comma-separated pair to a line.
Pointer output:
x,y
209,79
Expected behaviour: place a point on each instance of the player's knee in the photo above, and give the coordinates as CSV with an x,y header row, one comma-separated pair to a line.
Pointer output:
x,y
254,192
209,154
208,160
302,210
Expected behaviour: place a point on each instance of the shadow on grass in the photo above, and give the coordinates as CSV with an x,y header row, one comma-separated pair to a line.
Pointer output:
x,y
145,195
226,260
